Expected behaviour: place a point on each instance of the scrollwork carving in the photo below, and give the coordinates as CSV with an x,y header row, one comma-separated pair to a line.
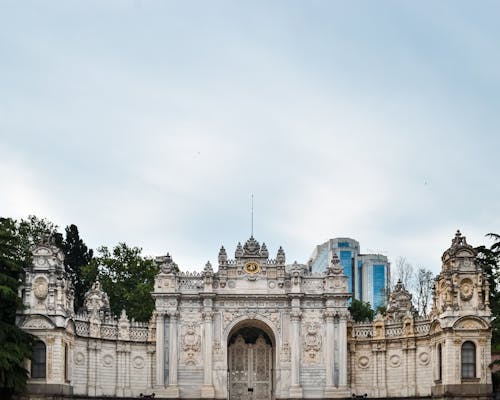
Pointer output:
x,y
312,343
191,344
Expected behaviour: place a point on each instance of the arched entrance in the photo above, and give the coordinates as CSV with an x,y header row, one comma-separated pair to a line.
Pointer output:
x,y
250,361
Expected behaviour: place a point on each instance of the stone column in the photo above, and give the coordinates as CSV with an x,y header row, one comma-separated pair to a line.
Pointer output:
x,y
343,351
173,388
207,390
329,354
160,335
295,388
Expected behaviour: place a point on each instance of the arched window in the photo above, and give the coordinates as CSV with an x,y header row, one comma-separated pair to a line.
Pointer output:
x,y
468,360
38,362
440,361
66,362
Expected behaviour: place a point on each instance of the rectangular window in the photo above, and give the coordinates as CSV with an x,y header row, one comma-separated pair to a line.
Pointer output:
x,y
66,363
440,362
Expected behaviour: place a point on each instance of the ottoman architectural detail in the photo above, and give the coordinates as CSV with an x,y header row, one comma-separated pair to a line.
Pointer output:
x,y
258,329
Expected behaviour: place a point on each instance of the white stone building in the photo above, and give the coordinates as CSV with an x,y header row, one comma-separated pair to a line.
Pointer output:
x,y
256,330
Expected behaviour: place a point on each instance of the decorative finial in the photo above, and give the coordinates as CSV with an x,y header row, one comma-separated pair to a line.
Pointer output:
x,y
280,257
458,240
208,268
239,251
222,256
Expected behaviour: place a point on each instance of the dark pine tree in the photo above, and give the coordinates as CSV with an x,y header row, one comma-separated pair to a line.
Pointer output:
x,y
489,259
15,344
77,255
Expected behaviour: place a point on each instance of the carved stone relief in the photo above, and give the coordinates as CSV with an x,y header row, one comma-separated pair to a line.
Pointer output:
x,y
37,323
468,324
394,361
191,344
285,353
79,358
40,288
217,351
107,360
466,289
138,362
424,358
363,362
312,343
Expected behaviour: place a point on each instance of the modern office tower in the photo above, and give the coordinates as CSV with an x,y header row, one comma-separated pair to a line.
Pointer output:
x,y
368,274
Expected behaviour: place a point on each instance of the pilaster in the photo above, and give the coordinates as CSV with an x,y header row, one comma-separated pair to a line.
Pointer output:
x,y
207,390
329,355
295,388
160,335
173,387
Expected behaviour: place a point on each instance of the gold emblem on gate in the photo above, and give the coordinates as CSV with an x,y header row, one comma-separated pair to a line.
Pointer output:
x,y
252,267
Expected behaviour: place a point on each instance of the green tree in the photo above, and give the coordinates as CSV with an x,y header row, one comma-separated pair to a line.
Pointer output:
x,y
16,345
76,256
361,311
489,259
127,277
31,232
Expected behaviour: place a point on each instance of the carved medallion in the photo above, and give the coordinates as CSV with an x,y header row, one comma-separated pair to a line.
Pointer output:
x,y
395,361
466,289
107,360
363,362
424,358
41,288
79,358
138,362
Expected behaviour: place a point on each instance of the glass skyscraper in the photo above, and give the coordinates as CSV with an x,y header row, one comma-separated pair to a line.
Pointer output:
x,y
368,274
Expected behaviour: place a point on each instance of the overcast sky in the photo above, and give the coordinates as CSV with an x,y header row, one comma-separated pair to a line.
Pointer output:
x,y
153,123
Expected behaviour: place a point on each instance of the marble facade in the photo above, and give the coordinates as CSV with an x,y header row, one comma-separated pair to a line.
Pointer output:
x,y
260,329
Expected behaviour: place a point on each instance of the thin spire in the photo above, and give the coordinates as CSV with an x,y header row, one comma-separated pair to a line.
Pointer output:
x,y
252,214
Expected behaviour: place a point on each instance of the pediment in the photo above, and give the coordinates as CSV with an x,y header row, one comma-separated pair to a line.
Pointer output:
x,y
470,324
38,322
42,251
465,253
